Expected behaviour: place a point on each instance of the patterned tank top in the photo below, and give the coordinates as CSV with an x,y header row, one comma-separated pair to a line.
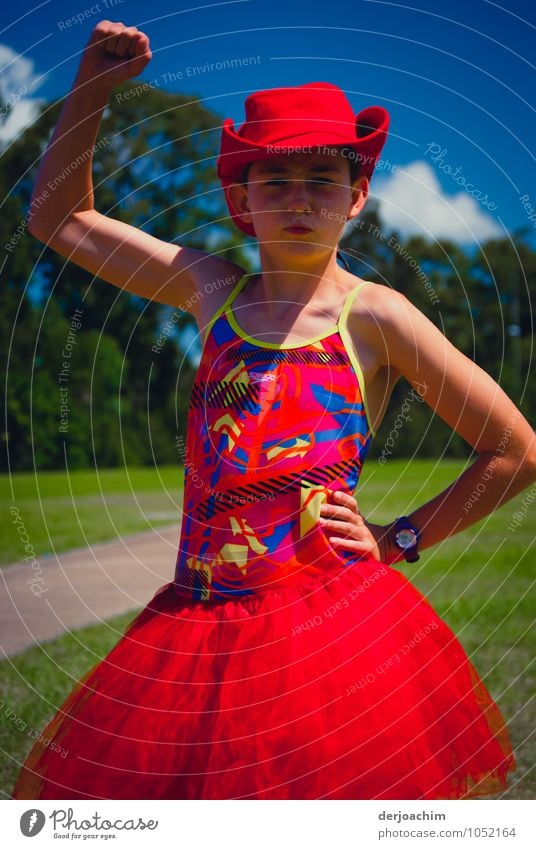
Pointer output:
x,y
271,429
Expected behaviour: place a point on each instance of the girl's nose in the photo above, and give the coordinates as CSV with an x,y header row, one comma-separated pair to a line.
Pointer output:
x,y
299,199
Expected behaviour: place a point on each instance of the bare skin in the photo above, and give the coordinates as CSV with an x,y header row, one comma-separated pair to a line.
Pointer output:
x,y
299,293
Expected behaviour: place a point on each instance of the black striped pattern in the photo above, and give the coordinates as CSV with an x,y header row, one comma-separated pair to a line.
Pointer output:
x,y
225,393
219,502
285,356
191,579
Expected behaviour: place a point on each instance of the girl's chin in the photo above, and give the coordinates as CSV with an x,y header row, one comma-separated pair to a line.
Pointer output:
x,y
299,251
292,244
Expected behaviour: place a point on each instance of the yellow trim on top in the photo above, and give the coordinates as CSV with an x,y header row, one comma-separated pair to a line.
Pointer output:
x,y
273,345
350,350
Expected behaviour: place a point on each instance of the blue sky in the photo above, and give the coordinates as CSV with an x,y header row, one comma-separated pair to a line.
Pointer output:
x,y
456,78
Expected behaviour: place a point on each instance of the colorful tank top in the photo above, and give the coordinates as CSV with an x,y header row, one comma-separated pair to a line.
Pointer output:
x,y
271,429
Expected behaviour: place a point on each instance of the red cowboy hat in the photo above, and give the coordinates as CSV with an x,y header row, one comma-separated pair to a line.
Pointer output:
x,y
293,120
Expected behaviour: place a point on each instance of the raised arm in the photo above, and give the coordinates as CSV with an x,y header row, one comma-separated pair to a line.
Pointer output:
x,y
62,209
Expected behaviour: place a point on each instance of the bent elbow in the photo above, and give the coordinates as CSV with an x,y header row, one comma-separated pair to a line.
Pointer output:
x,y
531,463
530,457
37,229
47,232
524,469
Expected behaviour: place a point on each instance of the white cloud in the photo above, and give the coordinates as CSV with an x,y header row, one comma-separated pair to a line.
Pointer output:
x,y
17,86
16,70
21,116
413,202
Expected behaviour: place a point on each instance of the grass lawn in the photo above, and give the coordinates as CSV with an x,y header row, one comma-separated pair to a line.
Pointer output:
x,y
63,510
479,581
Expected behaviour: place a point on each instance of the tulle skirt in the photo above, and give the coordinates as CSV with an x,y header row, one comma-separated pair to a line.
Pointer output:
x,y
342,686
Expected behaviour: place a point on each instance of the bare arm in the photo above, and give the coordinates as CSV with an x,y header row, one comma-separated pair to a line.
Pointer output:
x,y
473,404
62,208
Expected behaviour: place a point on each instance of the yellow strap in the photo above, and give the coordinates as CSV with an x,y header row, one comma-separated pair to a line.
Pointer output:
x,y
350,349
228,301
348,303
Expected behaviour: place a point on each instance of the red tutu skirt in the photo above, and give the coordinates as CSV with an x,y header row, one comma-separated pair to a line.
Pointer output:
x,y
347,686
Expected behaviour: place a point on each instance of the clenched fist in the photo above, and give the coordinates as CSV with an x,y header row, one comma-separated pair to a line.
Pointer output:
x,y
114,53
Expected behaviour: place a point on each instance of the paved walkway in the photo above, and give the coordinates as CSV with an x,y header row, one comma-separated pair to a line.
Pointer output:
x,y
83,587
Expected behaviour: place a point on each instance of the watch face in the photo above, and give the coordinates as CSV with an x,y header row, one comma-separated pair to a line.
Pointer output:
x,y
406,538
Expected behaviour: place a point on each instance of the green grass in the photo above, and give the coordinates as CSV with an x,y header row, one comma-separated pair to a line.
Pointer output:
x,y
478,581
62,510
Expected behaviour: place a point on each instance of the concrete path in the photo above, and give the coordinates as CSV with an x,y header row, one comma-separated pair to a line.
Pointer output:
x,y
83,587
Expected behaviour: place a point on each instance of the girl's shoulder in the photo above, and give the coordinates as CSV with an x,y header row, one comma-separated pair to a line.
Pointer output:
x,y
378,298
384,319
375,305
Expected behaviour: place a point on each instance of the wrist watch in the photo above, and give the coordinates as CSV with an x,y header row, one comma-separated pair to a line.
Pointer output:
x,y
406,537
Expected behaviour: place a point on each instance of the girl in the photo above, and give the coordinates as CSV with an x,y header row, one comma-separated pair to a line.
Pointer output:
x,y
287,659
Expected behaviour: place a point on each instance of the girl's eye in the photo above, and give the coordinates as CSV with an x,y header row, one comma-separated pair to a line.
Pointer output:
x,y
313,180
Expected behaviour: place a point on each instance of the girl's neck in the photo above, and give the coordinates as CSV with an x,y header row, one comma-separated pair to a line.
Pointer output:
x,y
300,283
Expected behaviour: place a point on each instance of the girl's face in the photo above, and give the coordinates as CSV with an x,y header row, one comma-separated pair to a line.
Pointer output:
x,y
299,203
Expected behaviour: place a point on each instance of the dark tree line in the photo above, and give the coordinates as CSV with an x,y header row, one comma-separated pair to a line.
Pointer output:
x,y
84,384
